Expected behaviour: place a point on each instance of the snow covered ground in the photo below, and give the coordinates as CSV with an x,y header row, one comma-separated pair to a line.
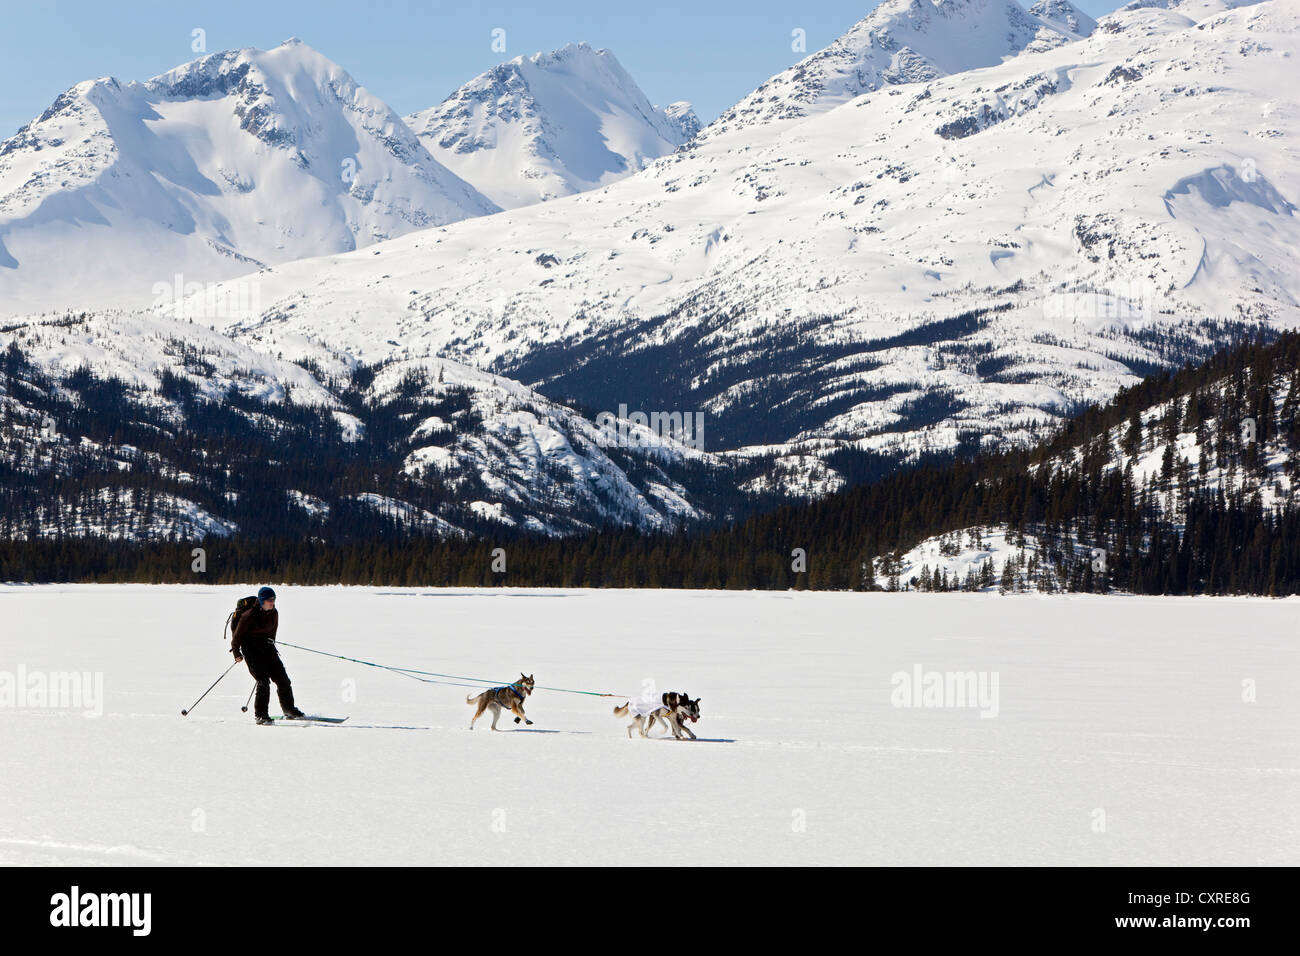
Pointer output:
x,y
1119,730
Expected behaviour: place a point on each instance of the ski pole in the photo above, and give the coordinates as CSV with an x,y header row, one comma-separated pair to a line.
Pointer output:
x,y
209,690
250,698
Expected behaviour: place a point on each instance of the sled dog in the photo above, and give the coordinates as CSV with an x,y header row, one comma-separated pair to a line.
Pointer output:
x,y
510,697
673,710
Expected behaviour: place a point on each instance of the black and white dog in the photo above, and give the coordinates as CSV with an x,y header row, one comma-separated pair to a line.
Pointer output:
x,y
673,710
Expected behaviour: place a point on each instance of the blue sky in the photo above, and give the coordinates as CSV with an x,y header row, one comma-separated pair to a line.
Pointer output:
x,y
711,52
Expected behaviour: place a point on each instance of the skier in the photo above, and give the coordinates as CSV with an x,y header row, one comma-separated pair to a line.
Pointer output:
x,y
253,642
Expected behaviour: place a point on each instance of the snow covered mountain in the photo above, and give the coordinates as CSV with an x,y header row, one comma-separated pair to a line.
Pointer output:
x,y
231,162
682,117
145,427
961,260
908,41
550,125
948,264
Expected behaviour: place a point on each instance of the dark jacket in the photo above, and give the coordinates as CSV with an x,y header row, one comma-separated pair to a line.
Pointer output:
x,y
256,625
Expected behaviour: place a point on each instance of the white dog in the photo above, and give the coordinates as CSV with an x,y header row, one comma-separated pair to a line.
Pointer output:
x,y
672,709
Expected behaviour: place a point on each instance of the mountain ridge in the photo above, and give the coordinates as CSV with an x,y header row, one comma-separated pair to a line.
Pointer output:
x,y
907,41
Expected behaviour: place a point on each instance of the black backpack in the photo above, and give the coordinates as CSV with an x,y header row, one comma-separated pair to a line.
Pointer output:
x,y
242,606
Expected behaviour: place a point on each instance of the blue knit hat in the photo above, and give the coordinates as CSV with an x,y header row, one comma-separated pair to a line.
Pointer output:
x,y
266,594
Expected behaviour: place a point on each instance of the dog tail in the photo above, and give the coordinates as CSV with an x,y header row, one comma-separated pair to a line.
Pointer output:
x,y
622,711
470,700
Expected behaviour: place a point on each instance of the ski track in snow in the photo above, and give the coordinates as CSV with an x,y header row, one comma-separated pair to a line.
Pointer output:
x,y
1131,706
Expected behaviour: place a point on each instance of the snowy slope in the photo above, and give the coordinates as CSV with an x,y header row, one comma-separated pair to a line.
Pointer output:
x,y
908,41
1231,440
231,162
977,254
1121,735
1207,442
960,557
510,458
550,125
1194,10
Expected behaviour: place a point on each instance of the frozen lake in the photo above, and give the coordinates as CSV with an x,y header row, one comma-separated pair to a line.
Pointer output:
x,y
1063,729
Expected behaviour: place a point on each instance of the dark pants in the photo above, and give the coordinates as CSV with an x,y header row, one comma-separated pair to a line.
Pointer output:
x,y
264,664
